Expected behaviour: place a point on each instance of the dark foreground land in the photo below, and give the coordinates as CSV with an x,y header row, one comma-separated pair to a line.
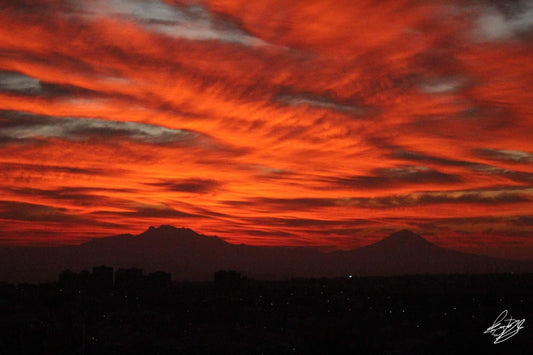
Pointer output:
x,y
394,315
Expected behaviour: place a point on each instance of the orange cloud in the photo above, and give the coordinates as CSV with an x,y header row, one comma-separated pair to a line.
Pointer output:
x,y
317,122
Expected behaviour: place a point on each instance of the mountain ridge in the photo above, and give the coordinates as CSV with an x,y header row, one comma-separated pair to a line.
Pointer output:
x,y
193,256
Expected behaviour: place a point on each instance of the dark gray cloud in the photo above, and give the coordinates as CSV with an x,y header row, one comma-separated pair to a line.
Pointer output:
x,y
501,155
150,211
467,197
425,158
200,186
11,81
24,127
524,220
21,84
22,211
520,220
482,196
398,176
163,212
325,103
289,204
504,20
340,231
513,156
517,176
431,198
78,196
266,233
442,85
190,21
7,167
306,222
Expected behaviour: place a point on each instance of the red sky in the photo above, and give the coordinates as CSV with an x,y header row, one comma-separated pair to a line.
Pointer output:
x,y
268,122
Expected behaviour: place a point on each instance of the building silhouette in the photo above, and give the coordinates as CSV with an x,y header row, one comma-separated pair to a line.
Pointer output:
x,y
158,280
129,279
102,278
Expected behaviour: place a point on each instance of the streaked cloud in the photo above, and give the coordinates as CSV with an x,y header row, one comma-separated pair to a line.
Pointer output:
x,y
442,85
13,81
321,102
327,123
507,155
191,22
387,178
20,211
507,20
188,185
414,199
22,126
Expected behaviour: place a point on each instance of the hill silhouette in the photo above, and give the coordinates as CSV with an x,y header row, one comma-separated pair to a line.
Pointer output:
x,y
192,256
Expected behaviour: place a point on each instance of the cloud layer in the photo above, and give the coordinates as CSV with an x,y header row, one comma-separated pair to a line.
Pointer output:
x,y
327,123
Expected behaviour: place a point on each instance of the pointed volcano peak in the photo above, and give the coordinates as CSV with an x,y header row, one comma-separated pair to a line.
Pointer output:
x,y
405,234
405,237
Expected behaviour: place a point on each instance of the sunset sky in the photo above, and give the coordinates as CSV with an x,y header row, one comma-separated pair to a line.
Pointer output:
x,y
268,122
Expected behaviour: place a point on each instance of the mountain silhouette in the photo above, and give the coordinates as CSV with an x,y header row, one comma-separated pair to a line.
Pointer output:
x,y
405,252
192,256
404,238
